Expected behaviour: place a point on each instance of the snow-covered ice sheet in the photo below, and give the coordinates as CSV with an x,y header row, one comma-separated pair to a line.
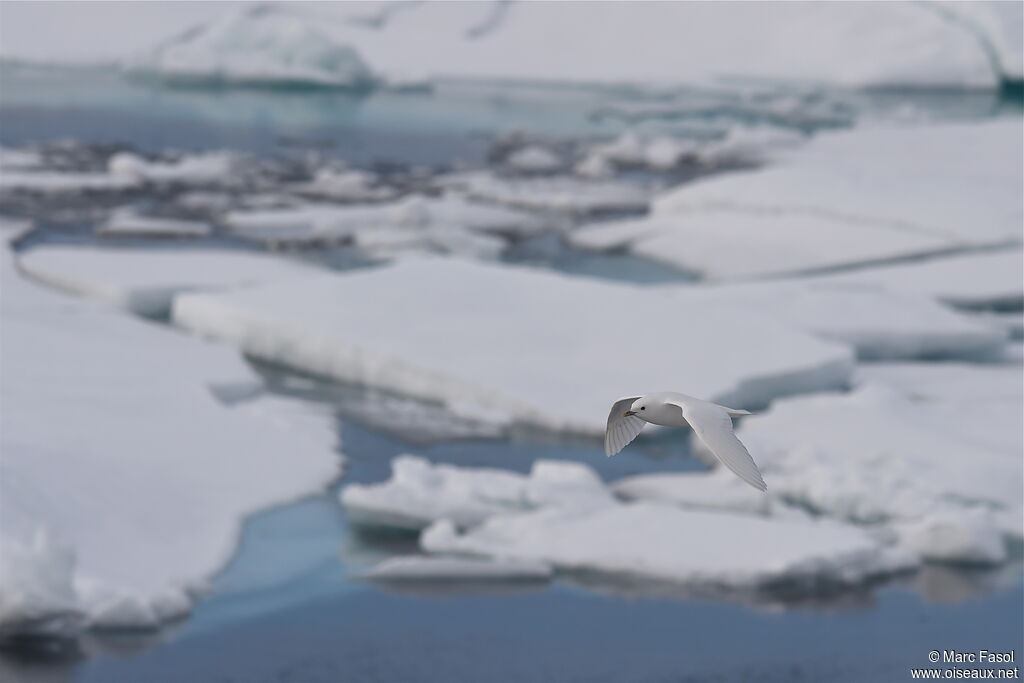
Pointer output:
x,y
877,323
429,569
877,456
148,476
855,197
717,490
126,222
845,44
983,403
976,280
956,181
516,343
695,548
257,45
419,493
562,194
705,242
145,281
415,219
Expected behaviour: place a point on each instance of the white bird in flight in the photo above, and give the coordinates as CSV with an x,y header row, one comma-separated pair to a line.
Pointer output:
x,y
711,423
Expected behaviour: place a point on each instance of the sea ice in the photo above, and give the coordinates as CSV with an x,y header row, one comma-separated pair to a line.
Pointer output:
x,y
698,549
531,345
145,281
126,222
855,197
428,569
419,493
149,475
717,490
876,456
973,280
845,44
415,220
216,168
561,194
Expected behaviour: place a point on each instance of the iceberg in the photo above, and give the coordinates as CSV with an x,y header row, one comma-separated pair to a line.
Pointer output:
x,y
257,45
973,45
149,476
63,182
530,345
860,197
145,281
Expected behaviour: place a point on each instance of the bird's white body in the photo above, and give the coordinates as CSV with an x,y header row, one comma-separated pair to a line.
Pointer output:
x,y
711,423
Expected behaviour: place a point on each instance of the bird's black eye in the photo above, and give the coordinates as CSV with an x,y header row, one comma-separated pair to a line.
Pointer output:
x,y
643,407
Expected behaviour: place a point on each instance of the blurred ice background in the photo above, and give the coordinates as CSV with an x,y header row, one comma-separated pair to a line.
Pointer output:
x,y
311,315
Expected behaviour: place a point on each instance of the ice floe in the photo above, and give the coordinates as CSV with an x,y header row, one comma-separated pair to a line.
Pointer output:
x,y
126,222
414,222
429,569
877,323
695,548
990,280
348,185
718,490
419,493
37,595
209,168
867,195
530,345
258,45
876,456
561,194
145,281
63,182
149,475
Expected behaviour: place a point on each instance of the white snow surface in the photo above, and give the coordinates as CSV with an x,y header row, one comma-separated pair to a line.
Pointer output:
x,y
856,197
876,456
145,281
526,344
845,44
257,45
419,493
717,490
149,475
967,280
704,551
63,182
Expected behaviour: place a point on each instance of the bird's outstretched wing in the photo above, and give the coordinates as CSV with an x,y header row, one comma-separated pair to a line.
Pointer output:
x,y
621,430
713,425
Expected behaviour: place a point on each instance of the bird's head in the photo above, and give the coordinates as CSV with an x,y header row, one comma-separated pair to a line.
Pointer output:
x,y
638,407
